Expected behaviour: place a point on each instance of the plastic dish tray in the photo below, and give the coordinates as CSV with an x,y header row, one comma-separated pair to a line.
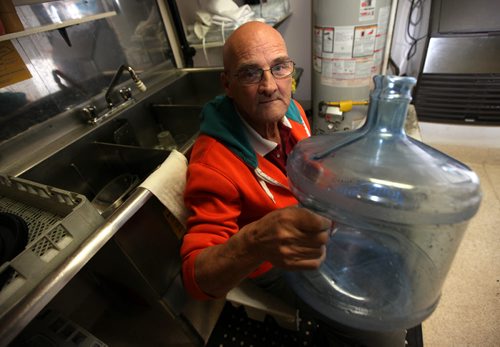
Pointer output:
x,y
51,329
58,222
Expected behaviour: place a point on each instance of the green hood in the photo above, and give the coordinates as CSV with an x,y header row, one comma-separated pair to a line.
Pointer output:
x,y
220,120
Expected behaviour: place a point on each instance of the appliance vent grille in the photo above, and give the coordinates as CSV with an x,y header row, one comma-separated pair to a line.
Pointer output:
x,y
458,98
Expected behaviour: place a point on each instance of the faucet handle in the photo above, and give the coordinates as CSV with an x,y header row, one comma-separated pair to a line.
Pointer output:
x,y
140,85
90,113
126,93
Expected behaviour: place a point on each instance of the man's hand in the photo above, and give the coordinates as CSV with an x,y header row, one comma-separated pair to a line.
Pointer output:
x,y
292,238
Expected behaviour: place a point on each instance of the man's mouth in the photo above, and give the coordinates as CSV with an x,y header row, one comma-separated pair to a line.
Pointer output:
x,y
267,101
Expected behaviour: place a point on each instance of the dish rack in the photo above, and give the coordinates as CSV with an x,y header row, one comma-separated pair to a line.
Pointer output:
x,y
52,329
58,222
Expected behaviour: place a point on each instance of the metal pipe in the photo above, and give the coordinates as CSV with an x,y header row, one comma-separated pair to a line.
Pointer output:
x,y
390,32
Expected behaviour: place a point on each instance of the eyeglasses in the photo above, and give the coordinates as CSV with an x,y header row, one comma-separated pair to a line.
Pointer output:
x,y
254,75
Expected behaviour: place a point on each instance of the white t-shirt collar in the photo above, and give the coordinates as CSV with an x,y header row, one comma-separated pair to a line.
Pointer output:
x,y
261,145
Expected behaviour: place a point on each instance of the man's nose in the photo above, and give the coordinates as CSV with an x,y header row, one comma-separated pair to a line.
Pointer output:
x,y
267,84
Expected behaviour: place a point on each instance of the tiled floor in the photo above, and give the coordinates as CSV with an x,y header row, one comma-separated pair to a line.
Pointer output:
x,y
469,311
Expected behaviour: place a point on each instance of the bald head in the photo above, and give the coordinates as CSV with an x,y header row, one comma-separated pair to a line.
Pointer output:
x,y
257,48
248,38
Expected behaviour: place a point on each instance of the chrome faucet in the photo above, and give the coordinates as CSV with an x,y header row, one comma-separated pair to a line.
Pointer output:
x,y
125,93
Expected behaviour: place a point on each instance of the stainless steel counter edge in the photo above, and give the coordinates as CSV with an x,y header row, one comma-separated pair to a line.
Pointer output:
x,y
25,310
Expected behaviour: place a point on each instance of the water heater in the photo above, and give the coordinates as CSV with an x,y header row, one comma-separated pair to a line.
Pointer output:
x,y
349,38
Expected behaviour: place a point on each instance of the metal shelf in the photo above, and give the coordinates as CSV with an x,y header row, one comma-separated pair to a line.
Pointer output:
x,y
220,43
55,26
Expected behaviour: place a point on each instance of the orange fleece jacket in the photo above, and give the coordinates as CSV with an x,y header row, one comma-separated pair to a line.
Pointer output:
x,y
223,194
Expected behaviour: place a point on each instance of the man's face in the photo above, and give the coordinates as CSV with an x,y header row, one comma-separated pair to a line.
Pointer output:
x,y
266,101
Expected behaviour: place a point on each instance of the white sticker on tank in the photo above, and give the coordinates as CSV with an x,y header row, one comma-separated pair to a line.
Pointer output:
x,y
344,37
317,63
366,10
364,41
327,40
318,42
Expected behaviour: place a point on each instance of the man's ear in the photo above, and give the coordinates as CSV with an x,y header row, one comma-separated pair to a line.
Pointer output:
x,y
224,78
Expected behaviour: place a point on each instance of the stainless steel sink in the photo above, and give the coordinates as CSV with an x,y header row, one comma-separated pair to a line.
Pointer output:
x,y
87,167
69,154
127,144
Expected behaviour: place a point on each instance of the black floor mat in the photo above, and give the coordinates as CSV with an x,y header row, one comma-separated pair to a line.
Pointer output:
x,y
235,329
414,337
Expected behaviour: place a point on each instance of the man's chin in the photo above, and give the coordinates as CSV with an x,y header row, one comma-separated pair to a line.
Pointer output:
x,y
273,110
272,116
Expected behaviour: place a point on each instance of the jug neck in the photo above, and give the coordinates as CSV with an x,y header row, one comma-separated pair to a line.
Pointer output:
x,y
391,116
389,104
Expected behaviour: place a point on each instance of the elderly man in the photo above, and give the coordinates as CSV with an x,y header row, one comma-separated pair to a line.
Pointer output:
x,y
244,220
237,186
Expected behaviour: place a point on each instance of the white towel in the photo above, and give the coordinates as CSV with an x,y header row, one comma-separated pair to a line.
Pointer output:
x,y
237,17
220,6
167,183
224,12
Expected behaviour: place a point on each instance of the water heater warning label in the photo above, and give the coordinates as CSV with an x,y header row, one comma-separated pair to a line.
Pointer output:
x,y
366,10
364,41
333,42
327,40
343,55
344,37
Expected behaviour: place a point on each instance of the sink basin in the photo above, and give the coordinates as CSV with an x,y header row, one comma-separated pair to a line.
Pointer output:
x,y
87,167
127,144
114,193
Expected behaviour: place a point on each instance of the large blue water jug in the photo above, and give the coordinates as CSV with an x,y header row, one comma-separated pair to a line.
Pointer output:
x,y
401,209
